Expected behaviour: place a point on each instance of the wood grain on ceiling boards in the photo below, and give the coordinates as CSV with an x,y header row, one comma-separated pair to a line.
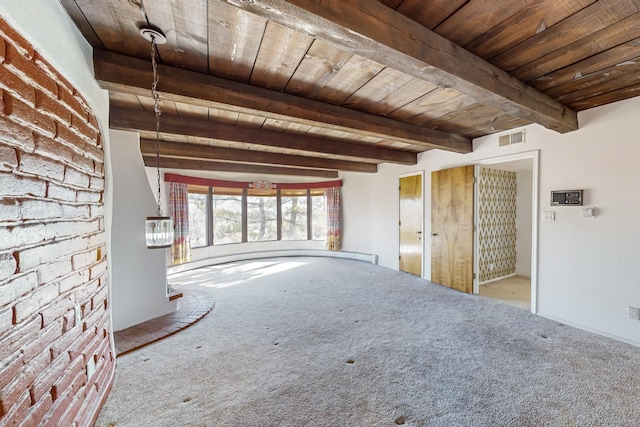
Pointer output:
x,y
336,78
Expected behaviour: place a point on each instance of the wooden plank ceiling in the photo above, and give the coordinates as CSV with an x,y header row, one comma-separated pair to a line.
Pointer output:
x,y
313,87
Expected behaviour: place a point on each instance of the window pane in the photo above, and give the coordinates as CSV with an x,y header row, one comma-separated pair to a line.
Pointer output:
x,y
262,218
227,219
319,217
294,217
197,219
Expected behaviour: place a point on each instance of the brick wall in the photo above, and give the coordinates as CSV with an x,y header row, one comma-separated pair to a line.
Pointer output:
x,y
52,246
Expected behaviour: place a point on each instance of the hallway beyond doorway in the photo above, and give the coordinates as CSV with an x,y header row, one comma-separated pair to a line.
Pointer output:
x,y
515,291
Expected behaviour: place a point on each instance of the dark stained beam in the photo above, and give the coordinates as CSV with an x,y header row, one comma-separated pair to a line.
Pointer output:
x,y
374,31
138,120
133,76
206,152
204,165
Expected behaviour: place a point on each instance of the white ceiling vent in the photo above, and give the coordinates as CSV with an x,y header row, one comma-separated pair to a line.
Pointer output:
x,y
512,138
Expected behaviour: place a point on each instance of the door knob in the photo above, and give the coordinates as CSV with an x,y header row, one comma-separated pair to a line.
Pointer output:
x,y
434,234
418,232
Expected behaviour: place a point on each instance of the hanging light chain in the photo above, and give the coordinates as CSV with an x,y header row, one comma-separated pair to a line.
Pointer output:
x,y
158,112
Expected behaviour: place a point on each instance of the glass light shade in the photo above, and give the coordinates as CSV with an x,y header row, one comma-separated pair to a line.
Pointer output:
x,y
158,231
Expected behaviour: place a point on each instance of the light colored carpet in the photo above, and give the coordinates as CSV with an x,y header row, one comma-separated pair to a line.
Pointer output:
x,y
330,342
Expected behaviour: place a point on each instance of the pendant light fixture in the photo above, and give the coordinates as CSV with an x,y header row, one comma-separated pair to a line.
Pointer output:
x,y
159,228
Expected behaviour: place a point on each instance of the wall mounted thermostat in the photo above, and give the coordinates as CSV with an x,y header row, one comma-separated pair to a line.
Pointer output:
x,y
566,198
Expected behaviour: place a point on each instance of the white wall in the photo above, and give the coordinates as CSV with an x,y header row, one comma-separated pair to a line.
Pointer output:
x,y
139,275
524,181
587,268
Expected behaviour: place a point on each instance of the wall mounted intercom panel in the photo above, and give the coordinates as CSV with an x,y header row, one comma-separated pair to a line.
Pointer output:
x,y
566,198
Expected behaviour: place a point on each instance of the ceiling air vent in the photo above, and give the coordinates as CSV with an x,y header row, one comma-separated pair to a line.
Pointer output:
x,y
512,138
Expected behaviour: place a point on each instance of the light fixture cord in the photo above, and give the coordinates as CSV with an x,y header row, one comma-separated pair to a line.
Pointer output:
x,y
158,112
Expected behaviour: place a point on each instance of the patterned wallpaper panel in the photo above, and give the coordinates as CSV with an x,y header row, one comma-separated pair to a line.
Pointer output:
x,y
497,224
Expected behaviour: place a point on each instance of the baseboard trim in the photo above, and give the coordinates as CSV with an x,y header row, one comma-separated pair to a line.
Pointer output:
x,y
593,331
358,256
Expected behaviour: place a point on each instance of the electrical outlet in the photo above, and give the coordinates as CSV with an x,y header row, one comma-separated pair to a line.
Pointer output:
x,y
634,313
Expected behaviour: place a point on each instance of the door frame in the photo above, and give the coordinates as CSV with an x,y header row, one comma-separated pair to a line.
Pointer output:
x,y
404,175
534,156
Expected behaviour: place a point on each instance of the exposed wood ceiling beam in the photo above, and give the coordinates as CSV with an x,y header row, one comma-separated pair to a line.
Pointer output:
x,y
205,165
374,31
133,76
197,151
137,120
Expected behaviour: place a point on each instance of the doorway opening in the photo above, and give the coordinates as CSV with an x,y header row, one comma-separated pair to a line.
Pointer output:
x,y
506,270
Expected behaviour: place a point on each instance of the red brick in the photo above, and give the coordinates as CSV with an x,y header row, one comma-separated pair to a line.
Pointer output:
x,y
15,134
99,168
96,183
68,137
25,114
43,341
71,412
71,229
100,296
73,104
76,178
14,37
43,254
97,270
75,212
92,318
19,336
24,65
9,211
53,149
8,266
27,307
84,259
68,321
19,411
6,320
44,382
40,209
92,151
36,165
52,107
78,278
13,238
17,287
10,367
9,159
68,378
44,65
88,197
16,86
19,186
65,342
82,128
38,412
2,50
54,270
54,313
83,163
13,391
83,294
78,347
58,192
58,409
93,122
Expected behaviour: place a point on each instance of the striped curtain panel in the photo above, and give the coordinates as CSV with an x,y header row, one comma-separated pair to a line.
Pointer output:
x,y
334,231
179,211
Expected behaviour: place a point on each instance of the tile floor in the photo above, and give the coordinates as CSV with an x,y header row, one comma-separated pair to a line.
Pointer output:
x,y
193,306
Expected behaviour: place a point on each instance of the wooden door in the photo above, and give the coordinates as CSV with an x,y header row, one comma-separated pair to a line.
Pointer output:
x,y
452,228
411,215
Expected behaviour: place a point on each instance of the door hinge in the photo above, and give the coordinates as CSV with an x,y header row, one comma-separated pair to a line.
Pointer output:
x,y
399,223
474,276
399,257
